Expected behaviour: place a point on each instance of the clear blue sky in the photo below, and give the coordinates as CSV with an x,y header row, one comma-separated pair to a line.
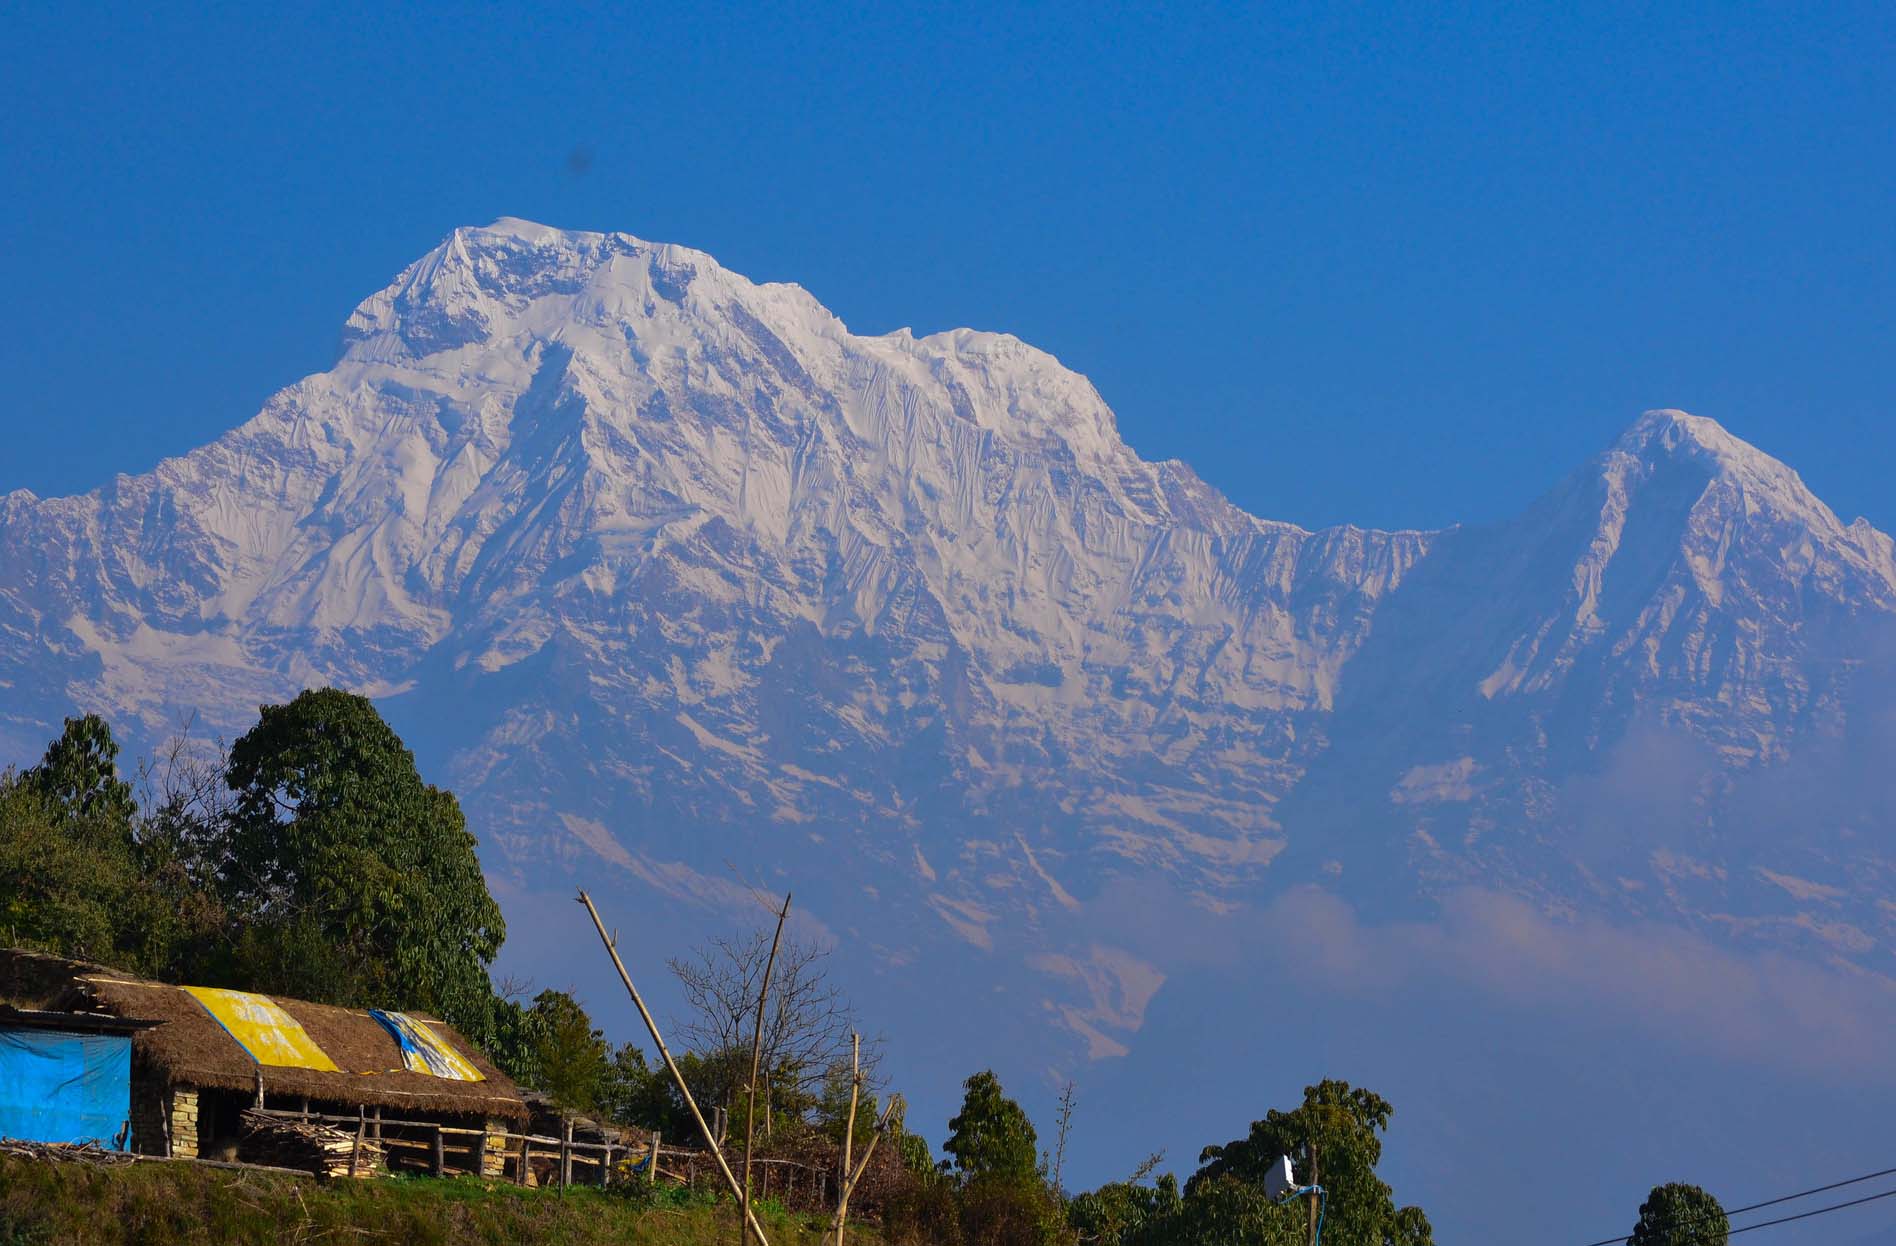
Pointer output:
x,y
1400,267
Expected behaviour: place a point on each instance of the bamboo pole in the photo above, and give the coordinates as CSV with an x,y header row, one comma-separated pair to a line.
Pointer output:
x,y
730,1178
850,1177
849,1135
757,1053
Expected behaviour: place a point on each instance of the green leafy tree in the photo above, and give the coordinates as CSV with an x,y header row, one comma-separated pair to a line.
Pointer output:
x,y
1338,1126
832,1108
637,1093
992,1135
79,774
1117,1214
1677,1214
573,1058
1227,1211
57,892
918,1158
358,882
84,874
1011,1209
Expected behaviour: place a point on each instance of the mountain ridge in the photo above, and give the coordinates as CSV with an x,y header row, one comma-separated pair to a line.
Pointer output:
x,y
632,541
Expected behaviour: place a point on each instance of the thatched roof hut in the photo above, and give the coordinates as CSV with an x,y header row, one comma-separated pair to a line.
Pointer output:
x,y
192,1049
189,1047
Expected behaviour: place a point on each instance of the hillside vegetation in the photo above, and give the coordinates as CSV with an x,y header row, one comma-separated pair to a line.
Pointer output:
x,y
78,1204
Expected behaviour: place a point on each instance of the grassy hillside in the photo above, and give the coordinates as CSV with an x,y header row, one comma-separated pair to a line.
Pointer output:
x,y
64,1204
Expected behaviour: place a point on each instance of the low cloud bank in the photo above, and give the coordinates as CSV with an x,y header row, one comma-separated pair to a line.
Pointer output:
x,y
1657,982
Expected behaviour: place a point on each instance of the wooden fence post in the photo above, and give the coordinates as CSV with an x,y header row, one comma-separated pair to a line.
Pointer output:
x,y
362,1127
520,1171
440,1154
566,1153
651,1169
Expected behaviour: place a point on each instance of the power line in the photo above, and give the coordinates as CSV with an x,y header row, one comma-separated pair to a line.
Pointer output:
x,y
1773,1202
1805,1215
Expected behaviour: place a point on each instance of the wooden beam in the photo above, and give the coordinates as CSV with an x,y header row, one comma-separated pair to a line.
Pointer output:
x,y
757,1052
697,1117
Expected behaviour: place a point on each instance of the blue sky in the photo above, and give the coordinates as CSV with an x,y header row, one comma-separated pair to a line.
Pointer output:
x,y
1395,266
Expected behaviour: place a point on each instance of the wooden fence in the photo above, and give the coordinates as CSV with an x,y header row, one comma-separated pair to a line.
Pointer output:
x,y
524,1157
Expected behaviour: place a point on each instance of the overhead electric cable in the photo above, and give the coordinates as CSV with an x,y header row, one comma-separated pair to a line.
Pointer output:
x,y
1773,1202
1805,1215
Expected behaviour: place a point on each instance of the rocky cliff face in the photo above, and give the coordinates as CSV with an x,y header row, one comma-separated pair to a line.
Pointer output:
x,y
663,565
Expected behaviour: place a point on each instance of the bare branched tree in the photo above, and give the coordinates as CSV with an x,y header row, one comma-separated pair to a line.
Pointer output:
x,y
1146,1168
185,779
807,1022
185,803
1064,1126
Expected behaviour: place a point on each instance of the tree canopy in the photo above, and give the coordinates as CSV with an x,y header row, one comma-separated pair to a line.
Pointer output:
x,y
79,773
1335,1134
366,876
1677,1214
81,875
991,1136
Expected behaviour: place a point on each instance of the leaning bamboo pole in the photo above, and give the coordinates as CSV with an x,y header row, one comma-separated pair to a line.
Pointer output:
x,y
849,1134
757,1052
710,1140
852,1177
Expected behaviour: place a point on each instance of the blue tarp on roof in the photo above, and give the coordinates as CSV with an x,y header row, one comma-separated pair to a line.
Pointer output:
x,y
59,1087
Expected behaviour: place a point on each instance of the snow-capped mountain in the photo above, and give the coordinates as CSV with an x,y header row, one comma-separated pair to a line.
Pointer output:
x,y
661,565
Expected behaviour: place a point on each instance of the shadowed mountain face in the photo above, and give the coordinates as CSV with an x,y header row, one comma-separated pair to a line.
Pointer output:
x,y
661,569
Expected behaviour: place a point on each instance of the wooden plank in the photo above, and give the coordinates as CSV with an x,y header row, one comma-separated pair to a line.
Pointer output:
x,y
233,1165
428,1145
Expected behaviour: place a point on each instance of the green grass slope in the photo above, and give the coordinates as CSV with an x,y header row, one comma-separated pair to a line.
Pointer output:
x,y
177,1204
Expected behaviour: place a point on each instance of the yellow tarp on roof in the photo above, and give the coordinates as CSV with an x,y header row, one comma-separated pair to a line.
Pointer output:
x,y
271,1036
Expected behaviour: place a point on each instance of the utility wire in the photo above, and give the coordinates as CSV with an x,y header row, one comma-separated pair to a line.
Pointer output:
x,y
1773,1202
1805,1215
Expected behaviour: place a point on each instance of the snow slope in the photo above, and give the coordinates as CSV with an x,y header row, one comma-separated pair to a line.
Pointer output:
x,y
662,565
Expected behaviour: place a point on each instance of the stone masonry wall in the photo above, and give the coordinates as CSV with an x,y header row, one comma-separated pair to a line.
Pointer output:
x,y
494,1148
184,1122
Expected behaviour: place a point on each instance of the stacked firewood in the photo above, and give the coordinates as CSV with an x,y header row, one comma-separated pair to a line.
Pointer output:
x,y
322,1149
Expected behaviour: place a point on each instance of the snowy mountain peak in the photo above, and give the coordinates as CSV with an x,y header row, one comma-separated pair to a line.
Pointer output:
x,y
1694,462
1672,434
655,560
487,303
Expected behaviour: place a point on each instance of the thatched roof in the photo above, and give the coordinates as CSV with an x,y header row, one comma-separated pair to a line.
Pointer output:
x,y
189,1047
38,980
